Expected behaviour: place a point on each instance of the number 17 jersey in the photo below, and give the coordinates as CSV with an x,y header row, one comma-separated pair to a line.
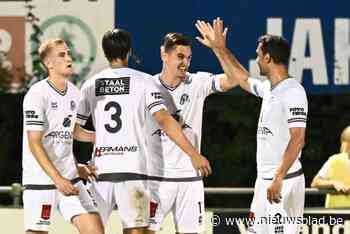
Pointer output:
x,y
120,101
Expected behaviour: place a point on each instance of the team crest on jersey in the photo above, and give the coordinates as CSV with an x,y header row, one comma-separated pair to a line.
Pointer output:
x,y
54,105
184,98
73,105
112,86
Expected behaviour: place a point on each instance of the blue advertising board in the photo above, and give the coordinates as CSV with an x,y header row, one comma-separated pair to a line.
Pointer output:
x,y
319,34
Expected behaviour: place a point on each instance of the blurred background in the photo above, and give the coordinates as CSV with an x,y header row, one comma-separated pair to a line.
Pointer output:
x,y
320,51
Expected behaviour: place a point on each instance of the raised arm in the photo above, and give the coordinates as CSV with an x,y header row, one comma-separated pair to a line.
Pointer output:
x,y
214,37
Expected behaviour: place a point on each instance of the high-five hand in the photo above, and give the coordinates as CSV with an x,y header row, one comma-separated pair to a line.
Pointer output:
x,y
213,36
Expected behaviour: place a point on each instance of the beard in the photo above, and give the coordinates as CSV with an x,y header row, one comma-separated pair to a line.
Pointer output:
x,y
262,73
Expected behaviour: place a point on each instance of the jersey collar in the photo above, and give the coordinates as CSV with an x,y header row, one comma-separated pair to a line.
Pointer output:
x,y
62,93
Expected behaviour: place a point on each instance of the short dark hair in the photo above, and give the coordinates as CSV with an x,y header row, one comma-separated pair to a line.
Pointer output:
x,y
171,40
277,47
116,44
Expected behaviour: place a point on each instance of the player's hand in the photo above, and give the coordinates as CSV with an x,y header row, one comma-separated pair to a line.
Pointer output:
x,y
340,187
66,187
202,165
213,36
87,172
274,191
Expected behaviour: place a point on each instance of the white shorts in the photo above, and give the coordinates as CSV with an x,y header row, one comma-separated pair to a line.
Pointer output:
x,y
131,198
39,205
184,199
285,217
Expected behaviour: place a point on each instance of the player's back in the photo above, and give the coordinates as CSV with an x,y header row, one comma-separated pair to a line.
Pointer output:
x,y
117,102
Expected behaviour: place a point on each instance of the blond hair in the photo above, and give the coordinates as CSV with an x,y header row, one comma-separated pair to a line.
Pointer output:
x,y
345,140
46,47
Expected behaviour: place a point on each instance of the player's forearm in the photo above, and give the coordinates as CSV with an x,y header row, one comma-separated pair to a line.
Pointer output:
x,y
175,133
81,134
318,182
291,154
42,158
235,72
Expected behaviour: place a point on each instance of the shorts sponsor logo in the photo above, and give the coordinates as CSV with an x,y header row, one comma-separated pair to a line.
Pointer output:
x,y
45,211
112,86
115,150
297,111
30,114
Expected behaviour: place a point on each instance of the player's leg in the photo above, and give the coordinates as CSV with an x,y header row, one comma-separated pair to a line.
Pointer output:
x,y
132,199
257,223
162,200
189,211
286,216
102,194
81,211
38,207
296,204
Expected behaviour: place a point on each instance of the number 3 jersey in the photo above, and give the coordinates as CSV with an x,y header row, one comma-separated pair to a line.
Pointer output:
x,y
120,102
53,112
185,103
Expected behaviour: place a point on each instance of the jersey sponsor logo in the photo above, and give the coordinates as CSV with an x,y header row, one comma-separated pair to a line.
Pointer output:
x,y
64,135
297,111
157,95
30,114
54,105
46,211
159,132
67,121
115,150
112,86
184,98
264,131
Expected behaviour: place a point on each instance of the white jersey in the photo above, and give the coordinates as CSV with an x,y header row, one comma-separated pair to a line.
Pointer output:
x,y
283,107
120,101
53,112
185,102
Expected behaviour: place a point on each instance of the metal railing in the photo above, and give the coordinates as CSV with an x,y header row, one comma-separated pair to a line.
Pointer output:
x,y
15,191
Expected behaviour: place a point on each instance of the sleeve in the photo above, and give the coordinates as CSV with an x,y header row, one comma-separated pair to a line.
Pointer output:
x,y
84,107
34,112
295,104
209,83
258,87
323,172
154,98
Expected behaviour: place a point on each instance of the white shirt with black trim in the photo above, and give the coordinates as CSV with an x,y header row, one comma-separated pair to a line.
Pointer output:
x,y
284,106
185,102
53,112
121,102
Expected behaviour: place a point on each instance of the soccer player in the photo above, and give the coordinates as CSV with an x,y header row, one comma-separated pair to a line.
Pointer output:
x,y
280,184
50,174
124,103
174,184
